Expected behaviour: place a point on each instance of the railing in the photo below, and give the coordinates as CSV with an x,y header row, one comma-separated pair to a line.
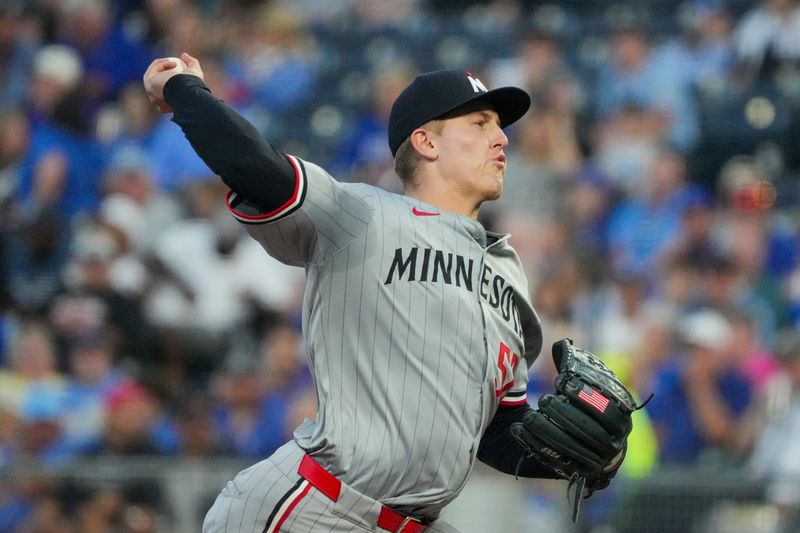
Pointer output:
x,y
180,490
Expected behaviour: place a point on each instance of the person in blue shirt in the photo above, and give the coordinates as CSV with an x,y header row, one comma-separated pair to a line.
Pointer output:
x,y
700,396
642,228
111,53
258,397
62,169
639,71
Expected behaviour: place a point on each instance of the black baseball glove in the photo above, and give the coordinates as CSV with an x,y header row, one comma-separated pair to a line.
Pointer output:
x,y
581,431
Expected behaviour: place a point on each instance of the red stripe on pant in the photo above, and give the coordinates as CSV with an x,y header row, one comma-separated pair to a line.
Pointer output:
x,y
289,506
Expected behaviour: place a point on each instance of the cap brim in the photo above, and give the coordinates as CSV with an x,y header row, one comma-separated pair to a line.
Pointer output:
x,y
510,103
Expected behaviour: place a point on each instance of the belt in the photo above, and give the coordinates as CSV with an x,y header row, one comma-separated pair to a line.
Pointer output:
x,y
327,484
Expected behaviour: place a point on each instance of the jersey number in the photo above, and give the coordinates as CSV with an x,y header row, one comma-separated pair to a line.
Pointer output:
x,y
507,364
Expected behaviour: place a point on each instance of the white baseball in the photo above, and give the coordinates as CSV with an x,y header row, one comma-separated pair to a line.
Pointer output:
x,y
181,66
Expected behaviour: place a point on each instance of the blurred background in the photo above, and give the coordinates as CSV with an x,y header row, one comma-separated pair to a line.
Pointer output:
x,y
149,349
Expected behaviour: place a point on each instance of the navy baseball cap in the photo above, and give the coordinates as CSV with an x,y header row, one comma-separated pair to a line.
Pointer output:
x,y
434,94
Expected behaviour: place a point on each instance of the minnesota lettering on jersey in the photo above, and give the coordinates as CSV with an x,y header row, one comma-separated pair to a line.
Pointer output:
x,y
438,266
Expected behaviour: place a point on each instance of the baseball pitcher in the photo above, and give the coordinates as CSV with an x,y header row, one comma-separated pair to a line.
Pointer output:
x,y
417,321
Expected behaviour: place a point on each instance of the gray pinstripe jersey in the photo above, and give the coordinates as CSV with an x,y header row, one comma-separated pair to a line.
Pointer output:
x,y
417,324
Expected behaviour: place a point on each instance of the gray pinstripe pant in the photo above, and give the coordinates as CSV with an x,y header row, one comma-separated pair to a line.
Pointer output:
x,y
271,497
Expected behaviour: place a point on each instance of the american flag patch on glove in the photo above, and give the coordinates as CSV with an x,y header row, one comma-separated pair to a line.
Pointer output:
x,y
594,398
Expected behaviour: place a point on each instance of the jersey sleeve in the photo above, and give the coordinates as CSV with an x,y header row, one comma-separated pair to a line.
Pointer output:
x,y
229,144
517,394
321,217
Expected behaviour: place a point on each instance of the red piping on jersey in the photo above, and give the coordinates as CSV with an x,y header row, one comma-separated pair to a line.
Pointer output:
x,y
288,203
520,401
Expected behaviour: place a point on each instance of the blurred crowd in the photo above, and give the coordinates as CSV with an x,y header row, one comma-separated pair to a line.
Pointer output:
x,y
651,193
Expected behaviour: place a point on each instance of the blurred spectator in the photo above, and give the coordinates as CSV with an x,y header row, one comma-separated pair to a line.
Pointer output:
x,y
13,504
17,47
558,103
695,243
131,120
63,165
10,427
260,399
561,296
93,376
275,56
131,203
35,253
364,155
725,286
761,237
546,153
32,360
73,506
639,74
55,73
763,242
588,201
287,380
768,35
14,138
756,362
282,360
775,431
618,325
625,145
656,348
555,295
90,28
33,505
91,301
152,19
98,510
545,251
539,58
642,228
42,439
543,160
195,426
213,246
680,286
706,48
30,392
8,325
700,397
242,416
181,25
136,423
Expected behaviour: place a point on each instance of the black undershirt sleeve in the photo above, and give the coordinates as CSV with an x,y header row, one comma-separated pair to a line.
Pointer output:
x,y
230,146
500,450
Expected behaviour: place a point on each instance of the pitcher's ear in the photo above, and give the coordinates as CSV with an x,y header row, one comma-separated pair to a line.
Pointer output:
x,y
424,143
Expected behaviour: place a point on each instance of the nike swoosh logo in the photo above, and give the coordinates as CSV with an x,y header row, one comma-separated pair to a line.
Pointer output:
x,y
423,213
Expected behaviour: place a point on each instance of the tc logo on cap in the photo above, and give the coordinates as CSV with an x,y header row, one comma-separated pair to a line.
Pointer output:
x,y
477,85
433,94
